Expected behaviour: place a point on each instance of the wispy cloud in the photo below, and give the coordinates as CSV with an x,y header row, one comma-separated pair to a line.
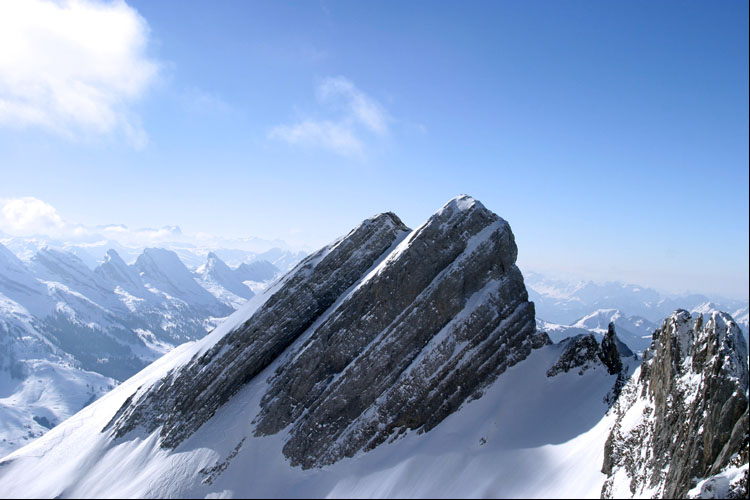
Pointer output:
x,y
73,67
356,104
337,137
356,114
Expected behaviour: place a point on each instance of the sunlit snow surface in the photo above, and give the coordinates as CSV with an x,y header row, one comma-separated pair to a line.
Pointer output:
x,y
528,436
51,393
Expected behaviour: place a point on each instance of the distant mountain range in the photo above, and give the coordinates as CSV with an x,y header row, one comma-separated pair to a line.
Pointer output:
x,y
192,252
634,331
565,308
566,302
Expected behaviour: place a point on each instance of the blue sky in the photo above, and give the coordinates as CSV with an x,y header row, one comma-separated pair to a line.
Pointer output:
x,y
613,136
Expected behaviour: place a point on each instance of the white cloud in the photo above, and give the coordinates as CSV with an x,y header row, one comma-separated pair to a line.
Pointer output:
x,y
357,113
29,216
358,105
73,67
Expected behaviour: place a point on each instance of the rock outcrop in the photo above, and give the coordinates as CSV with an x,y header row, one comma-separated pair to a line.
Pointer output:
x,y
580,353
583,351
443,315
685,416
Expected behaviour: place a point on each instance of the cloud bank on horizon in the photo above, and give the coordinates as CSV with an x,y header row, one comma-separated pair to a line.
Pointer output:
x,y
29,217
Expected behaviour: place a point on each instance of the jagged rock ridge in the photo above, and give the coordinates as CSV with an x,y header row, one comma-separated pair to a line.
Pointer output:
x,y
388,330
443,315
685,416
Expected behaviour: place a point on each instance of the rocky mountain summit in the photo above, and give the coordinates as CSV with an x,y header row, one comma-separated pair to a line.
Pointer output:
x,y
582,351
394,330
681,424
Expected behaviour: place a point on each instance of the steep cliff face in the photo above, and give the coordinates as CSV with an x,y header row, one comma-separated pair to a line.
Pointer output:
x,y
441,317
391,330
684,416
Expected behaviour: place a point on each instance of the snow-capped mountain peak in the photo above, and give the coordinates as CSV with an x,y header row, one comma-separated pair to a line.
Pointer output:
x,y
260,270
705,308
599,320
460,203
116,271
634,331
222,282
162,269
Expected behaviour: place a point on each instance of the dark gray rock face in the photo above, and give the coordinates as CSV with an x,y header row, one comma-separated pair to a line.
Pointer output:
x,y
374,335
185,399
610,351
442,317
686,413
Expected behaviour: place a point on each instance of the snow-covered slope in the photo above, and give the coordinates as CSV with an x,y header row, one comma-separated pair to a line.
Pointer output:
x,y
65,268
19,285
260,270
529,435
742,319
40,384
48,391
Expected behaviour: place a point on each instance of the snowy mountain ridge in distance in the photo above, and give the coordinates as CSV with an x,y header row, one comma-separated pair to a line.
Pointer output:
x,y
389,355
635,331
192,252
69,333
564,302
